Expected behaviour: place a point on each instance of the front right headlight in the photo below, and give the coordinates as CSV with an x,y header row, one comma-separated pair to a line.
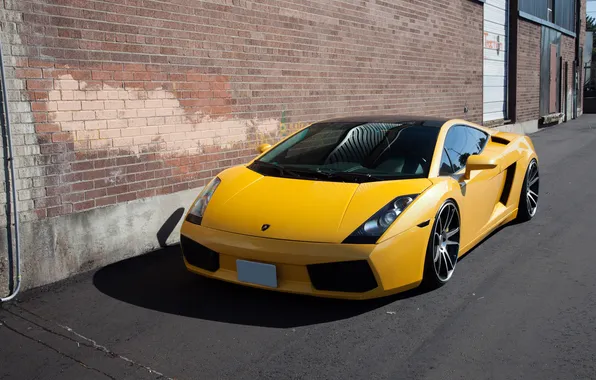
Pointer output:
x,y
195,215
371,230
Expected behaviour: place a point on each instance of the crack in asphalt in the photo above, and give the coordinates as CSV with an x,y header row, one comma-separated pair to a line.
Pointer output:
x,y
63,354
90,342
47,329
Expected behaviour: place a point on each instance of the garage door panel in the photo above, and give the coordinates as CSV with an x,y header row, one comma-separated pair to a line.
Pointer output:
x,y
495,59
494,28
494,94
501,4
494,80
494,68
495,55
494,115
494,14
491,107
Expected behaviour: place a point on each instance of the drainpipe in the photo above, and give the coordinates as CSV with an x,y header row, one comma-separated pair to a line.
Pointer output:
x,y
10,159
579,15
512,61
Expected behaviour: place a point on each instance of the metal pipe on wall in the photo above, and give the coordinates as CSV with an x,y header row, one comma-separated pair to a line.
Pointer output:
x,y
566,70
512,60
578,58
10,159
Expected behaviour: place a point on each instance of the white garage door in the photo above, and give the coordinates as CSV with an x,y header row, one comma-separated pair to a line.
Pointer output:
x,y
495,59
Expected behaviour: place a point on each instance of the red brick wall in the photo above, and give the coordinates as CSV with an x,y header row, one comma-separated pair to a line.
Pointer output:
x,y
568,54
528,71
114,101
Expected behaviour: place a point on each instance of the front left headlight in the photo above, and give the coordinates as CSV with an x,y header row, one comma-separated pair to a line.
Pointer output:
x,y
371,230
195,215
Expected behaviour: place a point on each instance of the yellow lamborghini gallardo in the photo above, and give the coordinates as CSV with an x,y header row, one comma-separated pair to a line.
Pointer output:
x,y
360,207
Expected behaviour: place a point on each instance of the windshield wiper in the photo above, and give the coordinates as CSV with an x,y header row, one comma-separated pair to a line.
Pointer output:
x,y
351,175
321,174
283,171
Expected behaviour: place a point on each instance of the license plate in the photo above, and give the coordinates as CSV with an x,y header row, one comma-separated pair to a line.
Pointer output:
x,y
257,273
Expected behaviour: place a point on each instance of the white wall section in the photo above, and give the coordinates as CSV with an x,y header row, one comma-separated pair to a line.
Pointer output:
x,y
495,60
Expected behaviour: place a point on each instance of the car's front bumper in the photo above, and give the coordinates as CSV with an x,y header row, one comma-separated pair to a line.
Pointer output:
x,y
396,264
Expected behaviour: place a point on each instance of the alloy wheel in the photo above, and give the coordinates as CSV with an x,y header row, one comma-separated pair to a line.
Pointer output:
x,y
532,188
446,241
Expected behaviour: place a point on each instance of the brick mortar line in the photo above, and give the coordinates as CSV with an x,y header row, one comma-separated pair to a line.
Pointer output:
x,y
347,54
133,173
348,86
341,75
424,102
262,5
373,97
337,10
128,191
185,56
363,75
336,7
390,60
390,42
388,46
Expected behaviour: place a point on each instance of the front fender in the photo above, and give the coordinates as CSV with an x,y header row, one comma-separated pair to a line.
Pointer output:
x,y
425,207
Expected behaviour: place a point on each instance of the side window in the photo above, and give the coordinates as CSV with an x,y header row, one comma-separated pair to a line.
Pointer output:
x,y
462,142
478,138
446,165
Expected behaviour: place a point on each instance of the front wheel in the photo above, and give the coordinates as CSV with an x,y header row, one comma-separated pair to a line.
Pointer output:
x,y
528,199
443,246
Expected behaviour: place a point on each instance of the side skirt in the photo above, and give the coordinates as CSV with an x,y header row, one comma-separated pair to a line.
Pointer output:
x,y
510,216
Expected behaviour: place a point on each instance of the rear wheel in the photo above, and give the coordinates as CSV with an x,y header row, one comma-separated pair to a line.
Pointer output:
x,y
443,246
528,199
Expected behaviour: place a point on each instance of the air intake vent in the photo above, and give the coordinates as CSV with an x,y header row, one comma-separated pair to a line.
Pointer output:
x,y
346,276
499,140
198,255
508,184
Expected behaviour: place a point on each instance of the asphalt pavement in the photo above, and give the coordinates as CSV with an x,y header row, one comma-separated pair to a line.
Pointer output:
x,y
521,305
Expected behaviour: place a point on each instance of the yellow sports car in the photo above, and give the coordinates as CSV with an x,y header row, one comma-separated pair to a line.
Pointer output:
x,y
360,207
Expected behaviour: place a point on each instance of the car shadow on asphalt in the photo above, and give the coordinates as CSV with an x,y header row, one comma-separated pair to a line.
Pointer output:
x,y
159,281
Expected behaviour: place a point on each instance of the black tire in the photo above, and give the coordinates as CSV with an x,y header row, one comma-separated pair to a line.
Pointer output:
x,y
525,211
431,279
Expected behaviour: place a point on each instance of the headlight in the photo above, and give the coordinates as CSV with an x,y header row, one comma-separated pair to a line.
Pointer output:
x,y
197,210
371,230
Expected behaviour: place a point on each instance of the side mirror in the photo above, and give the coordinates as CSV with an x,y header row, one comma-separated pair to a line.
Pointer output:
x,y
263,148
480,162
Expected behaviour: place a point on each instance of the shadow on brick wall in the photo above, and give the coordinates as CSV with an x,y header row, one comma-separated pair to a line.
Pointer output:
x,y
159,281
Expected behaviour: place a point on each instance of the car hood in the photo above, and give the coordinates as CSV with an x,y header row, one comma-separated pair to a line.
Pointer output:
x,y
296,209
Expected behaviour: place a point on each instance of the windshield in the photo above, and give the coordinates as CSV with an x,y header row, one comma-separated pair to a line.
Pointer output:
x,y
355,152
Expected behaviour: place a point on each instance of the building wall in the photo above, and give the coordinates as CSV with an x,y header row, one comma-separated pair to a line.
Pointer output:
x,y
582,38
122,111
528,71
568,54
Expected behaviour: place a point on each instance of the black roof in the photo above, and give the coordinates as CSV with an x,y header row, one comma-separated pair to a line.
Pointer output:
x,y
420,120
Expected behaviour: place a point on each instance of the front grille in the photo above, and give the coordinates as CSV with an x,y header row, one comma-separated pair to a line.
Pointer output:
x,y
346,276
198,255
